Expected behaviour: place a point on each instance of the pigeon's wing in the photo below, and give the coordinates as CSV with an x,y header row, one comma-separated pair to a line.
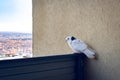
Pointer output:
x,y
78,45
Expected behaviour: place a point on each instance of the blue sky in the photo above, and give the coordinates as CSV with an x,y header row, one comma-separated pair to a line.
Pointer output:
x,y
16,15
7,7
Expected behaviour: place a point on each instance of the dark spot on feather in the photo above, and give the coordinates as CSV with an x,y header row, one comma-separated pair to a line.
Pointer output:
x,y
73,38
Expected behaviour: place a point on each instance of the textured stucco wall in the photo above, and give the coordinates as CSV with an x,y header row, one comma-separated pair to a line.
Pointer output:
x,y
97,22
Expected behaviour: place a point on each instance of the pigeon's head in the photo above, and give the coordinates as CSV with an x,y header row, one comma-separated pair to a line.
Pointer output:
x,y
70,38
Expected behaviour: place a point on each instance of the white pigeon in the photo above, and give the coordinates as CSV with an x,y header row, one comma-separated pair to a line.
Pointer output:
x,y
78,46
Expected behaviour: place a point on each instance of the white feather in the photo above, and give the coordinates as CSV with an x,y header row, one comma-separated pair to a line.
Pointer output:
x,y
79,46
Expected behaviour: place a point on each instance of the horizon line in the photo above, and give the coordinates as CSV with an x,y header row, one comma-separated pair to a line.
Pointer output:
x,y
17,31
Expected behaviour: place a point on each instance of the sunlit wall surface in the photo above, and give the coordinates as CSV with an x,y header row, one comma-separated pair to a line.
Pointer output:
x,y
96,22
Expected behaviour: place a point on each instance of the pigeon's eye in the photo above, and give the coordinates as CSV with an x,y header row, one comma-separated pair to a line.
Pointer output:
x,y
67,38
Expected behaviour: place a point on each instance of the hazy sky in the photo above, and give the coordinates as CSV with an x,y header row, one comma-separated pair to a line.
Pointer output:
x,y
16,15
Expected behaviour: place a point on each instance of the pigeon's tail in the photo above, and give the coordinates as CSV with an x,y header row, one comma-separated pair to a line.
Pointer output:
x,y
89,53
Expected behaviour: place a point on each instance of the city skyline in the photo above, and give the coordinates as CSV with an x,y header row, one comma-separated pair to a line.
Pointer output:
x,y
15,44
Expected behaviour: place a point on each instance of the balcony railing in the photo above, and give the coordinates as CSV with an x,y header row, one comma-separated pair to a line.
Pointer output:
x,y
60,67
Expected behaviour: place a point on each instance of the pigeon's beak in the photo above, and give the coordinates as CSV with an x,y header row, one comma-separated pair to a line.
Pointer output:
x,y
66,39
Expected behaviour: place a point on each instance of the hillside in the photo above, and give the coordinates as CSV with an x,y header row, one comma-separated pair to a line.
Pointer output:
x,y
14,43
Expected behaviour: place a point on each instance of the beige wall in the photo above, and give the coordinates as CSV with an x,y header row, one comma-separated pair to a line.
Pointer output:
x,y
97,22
